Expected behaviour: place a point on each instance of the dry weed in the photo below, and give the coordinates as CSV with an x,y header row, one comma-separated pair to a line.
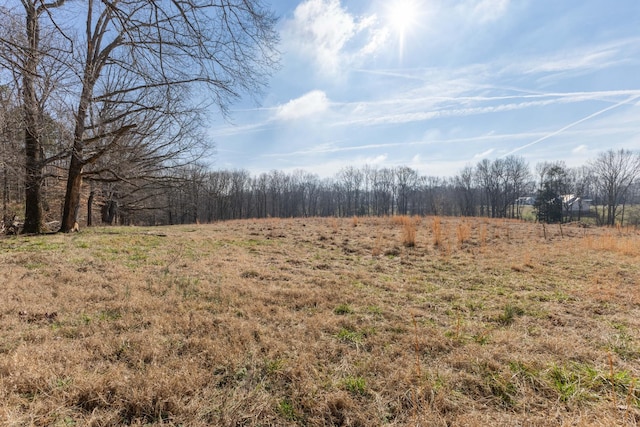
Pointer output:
x,y
463,233
284,323
377,246
333,223
483,234
408,232
398,219
436,229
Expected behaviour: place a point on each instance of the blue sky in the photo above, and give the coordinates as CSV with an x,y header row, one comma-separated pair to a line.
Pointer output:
x,y
440,84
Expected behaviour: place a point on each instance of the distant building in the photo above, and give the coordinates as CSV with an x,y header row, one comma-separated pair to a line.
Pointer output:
x,y
570,203
526,201
573,203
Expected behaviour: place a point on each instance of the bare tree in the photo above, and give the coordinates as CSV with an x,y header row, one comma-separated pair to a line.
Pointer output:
x,y
350,181
614,172
137,69
143,61
465,190
518,176
34,53
489,176
10,163
407,180
502,182
384,191
581,183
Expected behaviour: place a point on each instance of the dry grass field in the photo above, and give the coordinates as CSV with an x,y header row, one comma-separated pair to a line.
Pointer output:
x,y
322,322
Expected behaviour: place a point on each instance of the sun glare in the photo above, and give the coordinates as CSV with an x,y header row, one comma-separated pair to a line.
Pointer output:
x,y
403,15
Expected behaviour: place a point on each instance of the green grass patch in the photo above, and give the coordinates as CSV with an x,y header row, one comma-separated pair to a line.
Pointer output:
x,y
343,309
355,385
349,336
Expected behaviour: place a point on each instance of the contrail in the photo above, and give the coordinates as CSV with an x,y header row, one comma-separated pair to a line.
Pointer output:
x,y
569,126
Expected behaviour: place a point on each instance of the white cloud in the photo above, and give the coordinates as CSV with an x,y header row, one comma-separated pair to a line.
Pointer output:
x,y
430,112
416,162
327,167
484,154
377,39
309,104
460,101
578,60
565,61
374,161
579,149
332,36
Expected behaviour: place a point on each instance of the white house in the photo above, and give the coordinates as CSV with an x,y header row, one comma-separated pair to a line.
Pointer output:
x,y
573,203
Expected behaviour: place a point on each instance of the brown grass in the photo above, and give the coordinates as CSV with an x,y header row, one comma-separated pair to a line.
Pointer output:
x,y
314,322
377,247
334,225
463,233
436,229
408,231
483,234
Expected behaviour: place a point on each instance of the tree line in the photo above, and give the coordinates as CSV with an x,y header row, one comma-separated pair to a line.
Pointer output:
x,y
500,188
492,188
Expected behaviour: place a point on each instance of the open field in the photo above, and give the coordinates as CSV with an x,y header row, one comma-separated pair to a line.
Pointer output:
x,y
322,322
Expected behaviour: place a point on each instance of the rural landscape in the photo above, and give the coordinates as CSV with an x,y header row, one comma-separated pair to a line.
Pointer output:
x,y
319,213
403,320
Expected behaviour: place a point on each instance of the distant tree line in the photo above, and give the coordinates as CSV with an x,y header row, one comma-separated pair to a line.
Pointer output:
x,y
500,188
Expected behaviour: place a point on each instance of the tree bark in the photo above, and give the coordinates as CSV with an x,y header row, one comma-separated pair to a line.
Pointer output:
x,y
72,197
33,184
33,146
109,211
90,208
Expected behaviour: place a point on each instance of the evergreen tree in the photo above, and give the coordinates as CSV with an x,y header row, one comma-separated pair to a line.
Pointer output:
x,y
548,205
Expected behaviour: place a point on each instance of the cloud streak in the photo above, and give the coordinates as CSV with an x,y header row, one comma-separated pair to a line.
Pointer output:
x,y
407,109
570,125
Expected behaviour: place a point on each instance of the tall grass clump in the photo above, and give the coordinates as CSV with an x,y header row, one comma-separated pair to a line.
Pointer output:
x,y
377,246
483,235
629,245
463,233
397,219
333,223
436,228
408,232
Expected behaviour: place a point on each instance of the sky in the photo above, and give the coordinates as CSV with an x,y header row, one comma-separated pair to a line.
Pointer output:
x,y
440,84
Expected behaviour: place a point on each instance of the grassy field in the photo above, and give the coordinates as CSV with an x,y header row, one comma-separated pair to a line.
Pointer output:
x,y
322,322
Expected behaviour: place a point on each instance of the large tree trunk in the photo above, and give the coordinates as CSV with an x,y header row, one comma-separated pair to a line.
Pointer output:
x,y
110,209
33,146
72,196
90,208
33,184
74,178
